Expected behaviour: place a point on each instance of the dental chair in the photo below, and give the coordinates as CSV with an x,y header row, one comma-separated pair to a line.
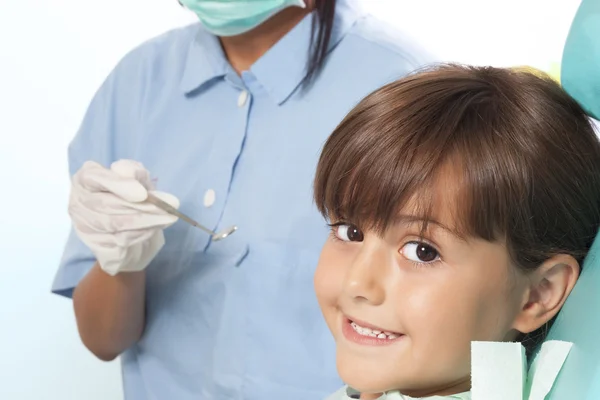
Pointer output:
x,y
579,320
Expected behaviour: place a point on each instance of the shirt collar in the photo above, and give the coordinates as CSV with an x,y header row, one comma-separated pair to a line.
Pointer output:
x,y
205,61
283,68
280,70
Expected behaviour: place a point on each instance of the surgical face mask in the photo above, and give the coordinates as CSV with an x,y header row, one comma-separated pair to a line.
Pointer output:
x,y
580,69
234,17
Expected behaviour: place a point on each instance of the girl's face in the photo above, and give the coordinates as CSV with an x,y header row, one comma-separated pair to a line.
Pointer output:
x,y
404,306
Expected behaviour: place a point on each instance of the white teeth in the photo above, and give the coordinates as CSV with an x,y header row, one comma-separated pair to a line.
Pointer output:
x,y
373,333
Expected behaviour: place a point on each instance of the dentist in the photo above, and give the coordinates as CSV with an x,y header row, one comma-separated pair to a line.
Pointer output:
x,y
226,117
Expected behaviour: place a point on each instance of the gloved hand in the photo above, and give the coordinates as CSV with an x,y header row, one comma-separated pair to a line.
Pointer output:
x,y
110,215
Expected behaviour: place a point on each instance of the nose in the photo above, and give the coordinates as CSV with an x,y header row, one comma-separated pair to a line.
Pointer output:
x,y
365,279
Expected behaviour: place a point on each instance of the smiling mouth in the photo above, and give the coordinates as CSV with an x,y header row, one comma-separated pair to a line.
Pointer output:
x,y
376,333
363,333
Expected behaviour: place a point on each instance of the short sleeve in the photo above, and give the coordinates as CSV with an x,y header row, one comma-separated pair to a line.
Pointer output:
x,y
112,125
93,141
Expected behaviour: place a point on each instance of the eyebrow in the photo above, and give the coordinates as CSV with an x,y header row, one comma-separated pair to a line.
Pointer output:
x,y
411,219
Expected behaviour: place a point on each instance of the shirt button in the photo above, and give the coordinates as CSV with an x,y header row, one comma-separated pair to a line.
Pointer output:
x,y
209,198
242,98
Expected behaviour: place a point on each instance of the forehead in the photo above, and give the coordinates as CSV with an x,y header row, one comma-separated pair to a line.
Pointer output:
x,y
439,203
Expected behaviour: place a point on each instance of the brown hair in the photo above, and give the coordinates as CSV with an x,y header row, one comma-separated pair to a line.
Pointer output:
x,y
529,158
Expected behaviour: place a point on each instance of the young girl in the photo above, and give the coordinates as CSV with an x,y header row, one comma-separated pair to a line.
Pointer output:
x,y
462,202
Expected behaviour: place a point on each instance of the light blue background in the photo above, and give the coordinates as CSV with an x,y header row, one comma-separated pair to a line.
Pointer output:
x,y
53,56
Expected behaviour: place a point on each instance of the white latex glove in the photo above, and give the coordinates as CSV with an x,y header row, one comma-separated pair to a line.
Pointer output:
x,y
110,215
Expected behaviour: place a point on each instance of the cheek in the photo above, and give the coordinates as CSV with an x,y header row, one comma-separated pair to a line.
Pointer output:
x,y
453,309
496,305
439,315
329,275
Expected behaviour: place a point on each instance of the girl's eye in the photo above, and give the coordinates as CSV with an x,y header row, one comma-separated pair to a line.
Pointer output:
x,y
348,233
420,252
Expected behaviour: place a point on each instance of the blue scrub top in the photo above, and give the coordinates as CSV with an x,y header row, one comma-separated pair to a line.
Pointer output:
x,y
236,319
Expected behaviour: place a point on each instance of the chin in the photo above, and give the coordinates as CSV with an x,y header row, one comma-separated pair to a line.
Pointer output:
x,y
366,379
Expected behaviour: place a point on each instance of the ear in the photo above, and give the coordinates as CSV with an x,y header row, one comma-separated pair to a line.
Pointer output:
x,y
550,285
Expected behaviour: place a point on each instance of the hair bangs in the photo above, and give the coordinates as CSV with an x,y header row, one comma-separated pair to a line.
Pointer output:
x,y
370,179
